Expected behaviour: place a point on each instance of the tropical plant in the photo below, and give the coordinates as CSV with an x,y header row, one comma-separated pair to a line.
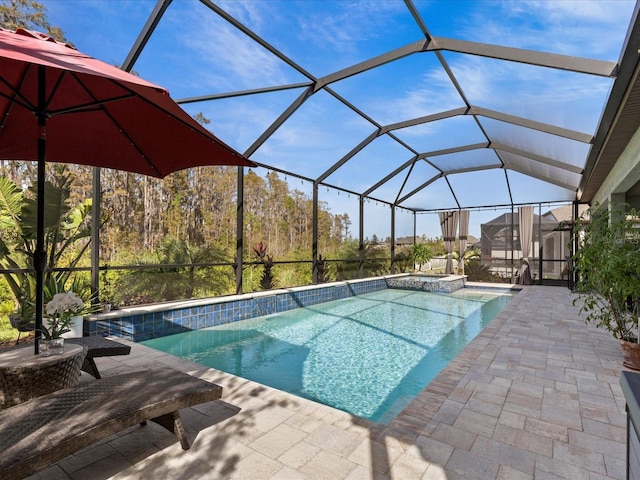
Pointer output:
x,y
67,236
471,254
607,263
266,281
421,254
374,260
287,275
181,279
108,292
476,271
323,271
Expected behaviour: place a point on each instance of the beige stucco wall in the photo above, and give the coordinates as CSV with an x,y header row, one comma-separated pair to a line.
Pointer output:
x,y
624,175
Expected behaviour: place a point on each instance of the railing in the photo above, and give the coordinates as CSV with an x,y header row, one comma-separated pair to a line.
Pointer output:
x,y
161,276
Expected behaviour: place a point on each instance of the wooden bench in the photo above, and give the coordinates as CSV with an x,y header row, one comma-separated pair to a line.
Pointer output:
x,y
44,430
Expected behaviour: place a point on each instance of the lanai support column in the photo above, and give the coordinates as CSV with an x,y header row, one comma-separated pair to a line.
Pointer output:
x,y
414,227
361,235
513,242
464,231
96,199
393,239
314,234
617,203
572,277
525,225
239,230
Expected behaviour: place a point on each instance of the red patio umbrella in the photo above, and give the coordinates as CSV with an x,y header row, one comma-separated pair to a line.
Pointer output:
x,y
58,104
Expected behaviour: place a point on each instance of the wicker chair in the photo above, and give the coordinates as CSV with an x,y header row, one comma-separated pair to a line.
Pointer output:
x,y
21,325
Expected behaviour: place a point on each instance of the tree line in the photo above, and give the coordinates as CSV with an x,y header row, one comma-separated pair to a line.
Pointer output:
x,y
190,216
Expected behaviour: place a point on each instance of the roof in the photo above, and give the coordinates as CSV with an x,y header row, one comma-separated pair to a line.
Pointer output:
x,y
481,113
620,119
508,219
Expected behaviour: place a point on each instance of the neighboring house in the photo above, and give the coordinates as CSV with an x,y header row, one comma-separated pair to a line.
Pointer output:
x,y
473,242
405,241
500,243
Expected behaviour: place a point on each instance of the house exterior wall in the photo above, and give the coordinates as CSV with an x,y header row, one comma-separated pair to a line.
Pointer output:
x,y
624,175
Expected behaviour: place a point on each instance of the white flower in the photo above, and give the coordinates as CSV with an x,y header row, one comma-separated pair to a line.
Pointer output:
x,y
65,304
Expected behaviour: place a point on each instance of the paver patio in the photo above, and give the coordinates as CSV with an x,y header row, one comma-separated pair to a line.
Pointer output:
x,y
535,395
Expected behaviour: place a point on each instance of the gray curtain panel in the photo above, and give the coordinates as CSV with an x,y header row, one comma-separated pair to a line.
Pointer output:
x,y
464,231
525,226
449,225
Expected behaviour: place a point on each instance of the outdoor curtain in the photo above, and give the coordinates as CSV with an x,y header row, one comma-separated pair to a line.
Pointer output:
x,y
449,225
464,231
525,225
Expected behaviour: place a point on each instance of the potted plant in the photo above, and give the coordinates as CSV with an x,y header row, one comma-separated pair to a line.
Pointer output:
x,y
607,264
63,315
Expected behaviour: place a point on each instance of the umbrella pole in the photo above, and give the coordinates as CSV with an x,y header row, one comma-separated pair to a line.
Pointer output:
x,y
40,256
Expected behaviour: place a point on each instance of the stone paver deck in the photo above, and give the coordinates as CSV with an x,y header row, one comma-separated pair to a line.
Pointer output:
x,y
535,395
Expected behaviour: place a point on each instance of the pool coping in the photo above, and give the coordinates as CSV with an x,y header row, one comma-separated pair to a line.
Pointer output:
x,y
172,305
145,322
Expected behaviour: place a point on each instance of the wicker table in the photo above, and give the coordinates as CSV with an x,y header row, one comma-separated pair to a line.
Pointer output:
x,y
24,375
98,347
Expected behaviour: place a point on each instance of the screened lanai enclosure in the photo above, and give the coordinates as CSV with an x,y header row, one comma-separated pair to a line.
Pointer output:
x,y
367,120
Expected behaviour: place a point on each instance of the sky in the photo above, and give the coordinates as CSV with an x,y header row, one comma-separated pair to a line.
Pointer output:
x,y
196,52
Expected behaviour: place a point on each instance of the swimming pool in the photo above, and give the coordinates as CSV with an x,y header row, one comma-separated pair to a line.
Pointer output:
x,y
369,355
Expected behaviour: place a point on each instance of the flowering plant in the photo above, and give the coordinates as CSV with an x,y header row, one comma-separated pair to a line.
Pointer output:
x,y
60,309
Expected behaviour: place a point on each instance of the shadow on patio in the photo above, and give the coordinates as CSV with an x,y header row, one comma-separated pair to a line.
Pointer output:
x,y
535,394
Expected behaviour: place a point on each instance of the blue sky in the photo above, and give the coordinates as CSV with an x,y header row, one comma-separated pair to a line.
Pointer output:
x,y
195,52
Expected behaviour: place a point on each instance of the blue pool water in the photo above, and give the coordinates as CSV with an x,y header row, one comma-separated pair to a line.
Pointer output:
x,y
369,355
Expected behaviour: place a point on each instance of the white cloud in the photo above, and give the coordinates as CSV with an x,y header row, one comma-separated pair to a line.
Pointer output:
x,y
349,23
584,28
597,11
228,60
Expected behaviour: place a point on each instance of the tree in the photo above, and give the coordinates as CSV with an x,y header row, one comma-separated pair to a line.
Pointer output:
x,y
402,260
421,254
346,223
30,15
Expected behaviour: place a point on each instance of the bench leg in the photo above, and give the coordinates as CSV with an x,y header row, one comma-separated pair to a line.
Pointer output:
x,y
173,423
89,366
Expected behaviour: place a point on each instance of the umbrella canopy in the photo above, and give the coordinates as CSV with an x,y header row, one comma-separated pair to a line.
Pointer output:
x,y
96,114
60,105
